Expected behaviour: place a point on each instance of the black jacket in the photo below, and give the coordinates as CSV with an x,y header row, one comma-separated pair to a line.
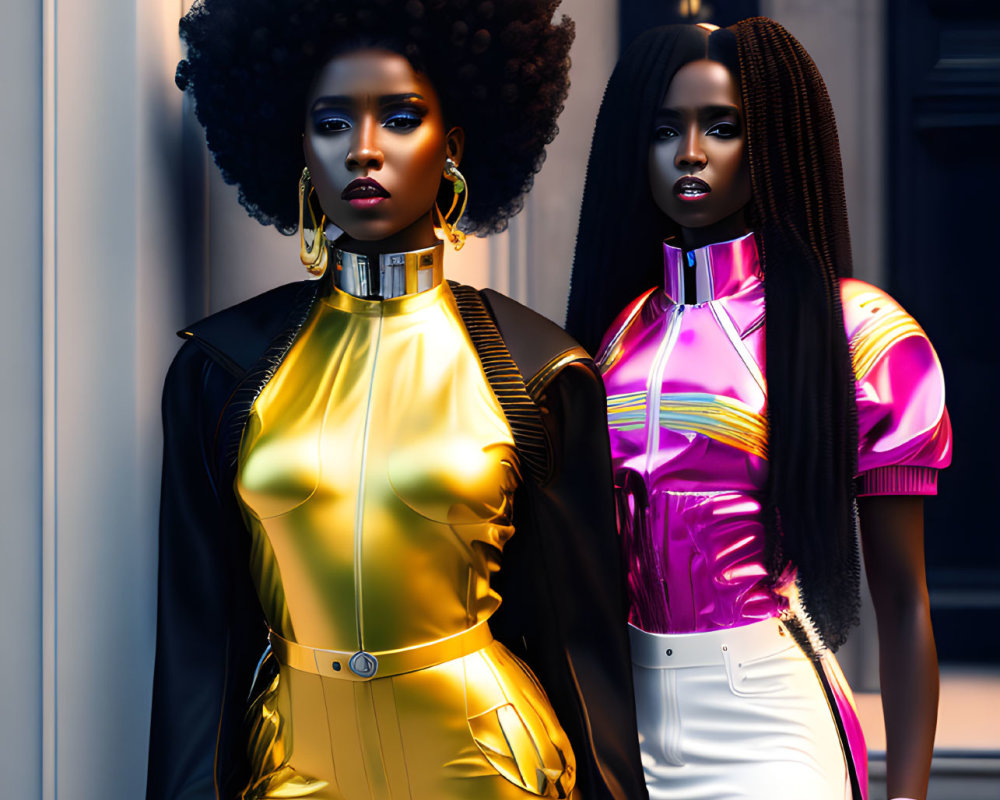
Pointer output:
x,y
563,610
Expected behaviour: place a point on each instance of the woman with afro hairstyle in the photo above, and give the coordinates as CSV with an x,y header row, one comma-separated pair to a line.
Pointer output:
x,y
713,241
358,469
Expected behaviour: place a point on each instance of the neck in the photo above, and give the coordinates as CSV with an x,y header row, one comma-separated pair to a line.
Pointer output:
x,y
384,275
417,235
725,230
710,272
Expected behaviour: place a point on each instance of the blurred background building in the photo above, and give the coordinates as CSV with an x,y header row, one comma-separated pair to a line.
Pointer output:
x,y
117,231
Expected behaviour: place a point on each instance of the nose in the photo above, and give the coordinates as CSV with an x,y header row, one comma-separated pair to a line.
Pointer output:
x,y
689,150
364,152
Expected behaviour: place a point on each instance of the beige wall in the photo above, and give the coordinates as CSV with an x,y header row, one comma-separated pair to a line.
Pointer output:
x,y
90,283
21,397
846,40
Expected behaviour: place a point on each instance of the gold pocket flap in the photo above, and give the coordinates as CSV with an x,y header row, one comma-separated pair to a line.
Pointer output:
x,y
520,755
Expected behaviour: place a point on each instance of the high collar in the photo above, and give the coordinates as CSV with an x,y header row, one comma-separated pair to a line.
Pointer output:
x,y
388,275
719,269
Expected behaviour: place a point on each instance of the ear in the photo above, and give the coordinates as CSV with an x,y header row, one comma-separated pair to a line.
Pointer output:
x,y
454,144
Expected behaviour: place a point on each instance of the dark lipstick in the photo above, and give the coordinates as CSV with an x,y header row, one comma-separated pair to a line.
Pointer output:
x,y
691,188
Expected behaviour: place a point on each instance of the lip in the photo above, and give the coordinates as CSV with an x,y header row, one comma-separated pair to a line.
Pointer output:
x,y
365,202
364,193
690,188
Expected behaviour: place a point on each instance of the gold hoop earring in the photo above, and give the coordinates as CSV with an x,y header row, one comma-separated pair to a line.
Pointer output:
x,y
460,199
313,256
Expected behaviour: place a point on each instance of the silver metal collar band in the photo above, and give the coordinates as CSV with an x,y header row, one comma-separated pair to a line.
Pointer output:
x,y
388,275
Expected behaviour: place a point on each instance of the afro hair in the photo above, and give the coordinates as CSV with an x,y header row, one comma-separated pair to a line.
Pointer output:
x,y
500,70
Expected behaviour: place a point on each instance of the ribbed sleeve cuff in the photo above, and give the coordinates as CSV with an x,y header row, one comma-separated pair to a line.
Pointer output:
x,y
897,480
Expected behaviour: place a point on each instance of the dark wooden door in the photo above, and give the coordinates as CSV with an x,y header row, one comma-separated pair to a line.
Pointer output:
x,y
942,136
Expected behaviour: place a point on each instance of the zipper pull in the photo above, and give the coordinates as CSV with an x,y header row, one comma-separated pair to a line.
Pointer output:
x,y
690,279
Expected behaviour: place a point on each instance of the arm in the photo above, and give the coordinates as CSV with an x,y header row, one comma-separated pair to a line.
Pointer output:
x,y
904,439
206,636
893,543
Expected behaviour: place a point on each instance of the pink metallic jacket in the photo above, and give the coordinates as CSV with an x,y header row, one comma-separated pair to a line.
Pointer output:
x,y
687,415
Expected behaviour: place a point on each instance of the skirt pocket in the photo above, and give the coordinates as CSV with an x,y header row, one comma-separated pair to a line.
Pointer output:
x,y
772,674
514,726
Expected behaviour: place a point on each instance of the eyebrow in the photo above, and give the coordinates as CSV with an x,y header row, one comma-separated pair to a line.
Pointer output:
x,y
703,111
392,99
341,100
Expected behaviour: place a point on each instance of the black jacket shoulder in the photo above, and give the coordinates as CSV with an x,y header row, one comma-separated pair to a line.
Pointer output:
x,y
237,336
539,347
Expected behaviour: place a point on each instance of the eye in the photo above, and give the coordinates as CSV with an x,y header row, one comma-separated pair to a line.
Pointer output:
x,y
665,132
402,121
724,130
331,122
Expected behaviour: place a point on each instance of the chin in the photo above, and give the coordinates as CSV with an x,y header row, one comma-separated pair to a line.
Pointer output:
x,y
368,236
370,231
693,222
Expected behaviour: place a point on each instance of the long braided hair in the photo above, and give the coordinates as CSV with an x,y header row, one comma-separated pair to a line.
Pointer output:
x,y
799,216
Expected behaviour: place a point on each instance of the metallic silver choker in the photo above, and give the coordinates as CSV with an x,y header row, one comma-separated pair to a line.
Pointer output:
x,y
388,275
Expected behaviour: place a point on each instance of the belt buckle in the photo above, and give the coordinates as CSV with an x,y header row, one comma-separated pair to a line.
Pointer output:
x,y
363,664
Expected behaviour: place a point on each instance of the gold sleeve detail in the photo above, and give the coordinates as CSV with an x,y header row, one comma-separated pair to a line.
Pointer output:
x,y
878,335
537,383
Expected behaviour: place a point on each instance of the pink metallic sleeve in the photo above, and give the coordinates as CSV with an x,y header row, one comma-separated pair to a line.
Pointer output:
x,y
904,434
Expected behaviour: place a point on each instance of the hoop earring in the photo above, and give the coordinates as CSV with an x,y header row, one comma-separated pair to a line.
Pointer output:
x,y
314,256
442,227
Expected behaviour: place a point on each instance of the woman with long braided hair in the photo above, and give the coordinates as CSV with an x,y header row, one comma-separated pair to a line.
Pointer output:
x,y
760,402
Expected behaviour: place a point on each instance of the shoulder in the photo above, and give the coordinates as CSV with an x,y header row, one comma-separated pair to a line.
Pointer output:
x,y
862,302
235,337
620,326
867,306
876,324
540,348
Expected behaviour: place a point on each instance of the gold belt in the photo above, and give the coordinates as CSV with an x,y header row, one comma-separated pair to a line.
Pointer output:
x,y
364,666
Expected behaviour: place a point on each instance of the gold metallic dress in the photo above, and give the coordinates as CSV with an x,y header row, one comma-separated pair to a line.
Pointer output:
x,y
376,474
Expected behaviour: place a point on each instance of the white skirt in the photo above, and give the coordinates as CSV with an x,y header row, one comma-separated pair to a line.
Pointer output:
x,y
737,714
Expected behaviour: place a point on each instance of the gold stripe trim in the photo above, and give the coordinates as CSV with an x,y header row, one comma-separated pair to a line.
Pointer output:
x,y
875,338
536,385
720,418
